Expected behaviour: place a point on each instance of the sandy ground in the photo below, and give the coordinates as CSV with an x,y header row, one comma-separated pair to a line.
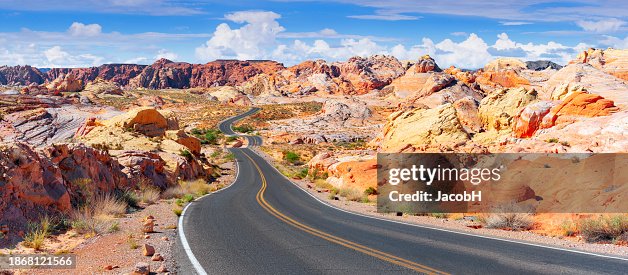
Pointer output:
x,y
462,225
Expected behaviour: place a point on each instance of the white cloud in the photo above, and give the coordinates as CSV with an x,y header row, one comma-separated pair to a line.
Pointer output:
x,y
470,53
80,29
250,41
602,26
615,42
163,53
514,23
57,57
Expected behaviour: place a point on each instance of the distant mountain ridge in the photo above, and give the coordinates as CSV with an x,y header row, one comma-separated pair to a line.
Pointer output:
x,y
161,74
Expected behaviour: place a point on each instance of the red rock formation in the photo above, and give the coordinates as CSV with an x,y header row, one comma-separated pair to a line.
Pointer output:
x,y
578,104
374,72
118,73
546,114
506,79
529,120
465,77
426,64
167,74
20,75
36,183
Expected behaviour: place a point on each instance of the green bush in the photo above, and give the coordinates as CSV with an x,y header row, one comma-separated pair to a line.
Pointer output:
x,y
291,157
370,191
245,128
186,154
188,198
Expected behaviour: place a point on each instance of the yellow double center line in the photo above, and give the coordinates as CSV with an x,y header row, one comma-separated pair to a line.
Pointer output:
x,y
337,240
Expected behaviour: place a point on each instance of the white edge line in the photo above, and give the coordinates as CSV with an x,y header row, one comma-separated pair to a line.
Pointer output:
x,y
184,242
442,229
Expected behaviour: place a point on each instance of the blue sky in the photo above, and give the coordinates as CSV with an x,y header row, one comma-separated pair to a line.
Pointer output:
x,y
467,34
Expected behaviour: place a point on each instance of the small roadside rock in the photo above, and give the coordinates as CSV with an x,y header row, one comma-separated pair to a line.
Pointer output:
x,y
148,250
109,267
157,258
141,268
165,239
162,269
148,226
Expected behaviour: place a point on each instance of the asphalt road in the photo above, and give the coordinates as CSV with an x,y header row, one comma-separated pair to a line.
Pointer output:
x,y
264,224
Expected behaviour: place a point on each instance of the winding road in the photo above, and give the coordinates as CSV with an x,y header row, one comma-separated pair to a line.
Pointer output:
x,y
265,224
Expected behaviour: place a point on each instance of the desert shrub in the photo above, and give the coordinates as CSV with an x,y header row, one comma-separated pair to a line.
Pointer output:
x,y
114,227
177,211
370,191
197,187
186,154
439,215
291,157
604,228
245,128
510,221
84,221
188,198
568,228
149,195
98,216
132,242
109,206
215,154
365,199
37,233
207,136
35,239
232,138
323,184
352,194
552,140
129,197
230,157
301,174
510,217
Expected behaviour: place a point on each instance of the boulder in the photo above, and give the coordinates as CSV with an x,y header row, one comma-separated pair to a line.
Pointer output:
x,y
351,111
530,118
66,83
417,127
426,64
192,143
578,104
148,250
102,87
498,109
141,268
144,165
145,120
611,61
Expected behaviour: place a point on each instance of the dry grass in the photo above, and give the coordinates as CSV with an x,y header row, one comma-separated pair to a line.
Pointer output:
x,y
37,233
98,216
149,195
352,194
197,187
510,217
